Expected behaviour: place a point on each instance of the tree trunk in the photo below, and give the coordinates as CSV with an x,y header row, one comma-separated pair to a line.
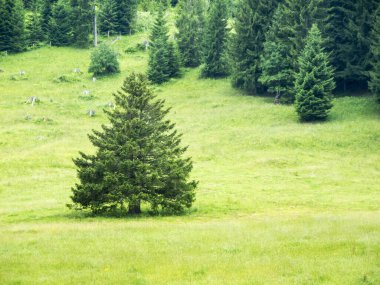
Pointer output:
x,y
134,207
95,27
277,98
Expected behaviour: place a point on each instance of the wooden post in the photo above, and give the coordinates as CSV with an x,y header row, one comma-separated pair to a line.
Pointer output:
x,y
95,27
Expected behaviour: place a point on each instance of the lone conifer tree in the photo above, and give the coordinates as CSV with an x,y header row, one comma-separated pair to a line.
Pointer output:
x,y
215,64
374,83
315,80
163,58
138,159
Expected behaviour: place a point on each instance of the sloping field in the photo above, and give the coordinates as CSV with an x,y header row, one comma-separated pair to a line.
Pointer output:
x,y
279,202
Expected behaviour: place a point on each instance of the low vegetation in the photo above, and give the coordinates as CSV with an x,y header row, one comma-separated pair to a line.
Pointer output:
x,y
104,61
284,193
278,202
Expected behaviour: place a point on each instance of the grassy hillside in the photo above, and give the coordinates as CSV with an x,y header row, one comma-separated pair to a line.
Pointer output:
x,y
279,202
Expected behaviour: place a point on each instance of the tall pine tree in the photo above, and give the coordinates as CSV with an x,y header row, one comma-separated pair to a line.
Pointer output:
x,y
286,39
12,37
108,17
139,158
252,20
359,62
341,36
190,23
173,60
301,15
374,83
60,25
126,15
277,60
81,14
34,25
215,63
163,58
47,12
315,80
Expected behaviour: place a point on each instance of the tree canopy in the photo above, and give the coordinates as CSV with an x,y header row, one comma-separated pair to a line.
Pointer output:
x,y
139,158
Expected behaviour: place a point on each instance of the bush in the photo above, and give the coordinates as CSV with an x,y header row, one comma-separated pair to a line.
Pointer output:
x,y
130,50
142,46
67,78
104,61
87,97
18,77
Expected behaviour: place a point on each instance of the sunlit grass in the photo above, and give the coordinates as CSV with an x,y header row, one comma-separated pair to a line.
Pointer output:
x,y
279,202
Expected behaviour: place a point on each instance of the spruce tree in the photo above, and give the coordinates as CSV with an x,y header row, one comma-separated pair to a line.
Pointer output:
x,y
108,18
277,71
3,35
277,62
374,83
252,20
81,14
163,58
285,41
361,26
18,31
28,4
47,12
138,160
190,23
173,60
4,27
341,36
12,26
315,80
34,30
215,63
126,14
60,25
301,15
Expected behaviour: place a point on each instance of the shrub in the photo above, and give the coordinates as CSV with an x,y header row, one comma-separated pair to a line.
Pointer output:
x,y
67,78
18,77
130,50
104,61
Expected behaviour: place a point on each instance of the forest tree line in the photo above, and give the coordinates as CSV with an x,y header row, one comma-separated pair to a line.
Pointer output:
x,y
256,42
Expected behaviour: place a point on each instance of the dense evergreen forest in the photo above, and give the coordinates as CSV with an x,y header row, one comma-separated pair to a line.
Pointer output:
x,y
258,43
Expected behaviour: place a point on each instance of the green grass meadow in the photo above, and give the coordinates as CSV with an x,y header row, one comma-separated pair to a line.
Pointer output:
x,y
279,202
